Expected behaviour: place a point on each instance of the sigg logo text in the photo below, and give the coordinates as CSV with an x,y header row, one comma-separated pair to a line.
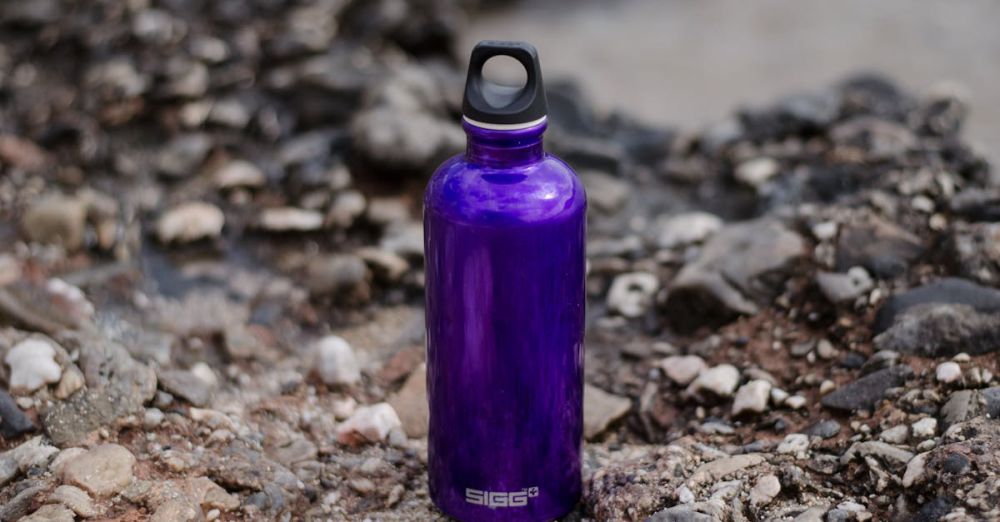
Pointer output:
x,y
496,499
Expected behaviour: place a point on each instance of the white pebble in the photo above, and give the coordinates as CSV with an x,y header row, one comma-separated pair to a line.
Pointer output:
x,y
796,402
632,294
190,222
369,424
335,361
720,380
32,365
794,443
682,369
925,428
948,372
752,397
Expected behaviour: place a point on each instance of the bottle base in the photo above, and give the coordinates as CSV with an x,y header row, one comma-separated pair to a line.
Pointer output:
x,y
462,511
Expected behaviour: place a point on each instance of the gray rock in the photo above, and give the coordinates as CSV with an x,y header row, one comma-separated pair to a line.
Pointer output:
x,y
865,392
401,139
842,288
742,262
190,221
600,409
186,385
605,192
964,405
682,369
720,381
50,513
892,456
949,290
982,204
103,471
942,330
752,397
764,491
975,250
75,499
117,386
293,452
347,207
13,421
340,275
29,454
20,504
878,245
670,231
824,429
57,220
681,513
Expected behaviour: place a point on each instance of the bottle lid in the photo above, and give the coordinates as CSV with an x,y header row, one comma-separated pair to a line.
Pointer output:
x,y
494,106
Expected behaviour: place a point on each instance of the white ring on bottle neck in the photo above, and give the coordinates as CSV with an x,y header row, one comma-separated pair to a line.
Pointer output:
x,y
504,126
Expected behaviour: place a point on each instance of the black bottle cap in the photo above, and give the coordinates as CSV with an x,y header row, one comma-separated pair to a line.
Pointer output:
x,y
494,104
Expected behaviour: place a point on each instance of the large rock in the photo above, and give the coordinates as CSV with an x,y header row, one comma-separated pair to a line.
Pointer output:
x,y
117,386
741,263
102,471
949,290
942,330
975,251
58,220
865,392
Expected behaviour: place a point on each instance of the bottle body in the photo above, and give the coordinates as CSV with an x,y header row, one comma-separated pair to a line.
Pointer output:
x,y
504,233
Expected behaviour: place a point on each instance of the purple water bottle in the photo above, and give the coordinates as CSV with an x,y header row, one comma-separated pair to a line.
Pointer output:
x,y
504,228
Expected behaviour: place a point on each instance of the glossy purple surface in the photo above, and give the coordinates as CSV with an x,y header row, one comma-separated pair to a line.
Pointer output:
x,y
504,229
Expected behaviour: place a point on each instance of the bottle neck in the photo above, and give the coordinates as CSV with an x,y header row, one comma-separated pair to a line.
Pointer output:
x,y
504,148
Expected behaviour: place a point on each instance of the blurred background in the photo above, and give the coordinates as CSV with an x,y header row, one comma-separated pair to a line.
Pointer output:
x,y
691,63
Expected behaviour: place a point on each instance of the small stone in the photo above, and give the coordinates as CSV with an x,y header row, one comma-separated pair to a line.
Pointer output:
x,y
335,362
152,418
183,155
50,513
915,470
894,457
239,173
187,385
290,219
190,222
368,424
57,220
794,443
344,276
825,230
720,380
757,171
843,288
826,350
601,409
343,408
685,229
752,397
826,387
32,365
719,469
75,499
29,454
925,428
103,471
778,396
230,112
766,488
13,421
632,294
386,265
895,434
347,207
174,511
411,403
824,429
71,382
682,369
295,451
867,391
947,372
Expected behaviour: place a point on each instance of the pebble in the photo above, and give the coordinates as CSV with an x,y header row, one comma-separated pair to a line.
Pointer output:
x,y
56,220
152,418
924,428
13,421
757,171
824,429
766,488
867,391
341,275
50,513
32,365
895,435
190,222
103,471
368,424
843,288
948,371
290,219
915,470
347,207
685,229
29,454
778,396
720,380
183,155
335,362
239,173
187,385
682,369
752,397
75,499
632,294
601,409
794,443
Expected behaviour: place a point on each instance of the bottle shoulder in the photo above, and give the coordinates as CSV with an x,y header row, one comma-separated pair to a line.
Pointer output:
x,y
547,190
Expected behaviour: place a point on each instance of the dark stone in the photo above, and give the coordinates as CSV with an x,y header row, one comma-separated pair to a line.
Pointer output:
x,y
942,330
964,405
865,392
853,360
933,510
977,204
875,95
955,463
975,252
13,421
883,248
948,290
823,429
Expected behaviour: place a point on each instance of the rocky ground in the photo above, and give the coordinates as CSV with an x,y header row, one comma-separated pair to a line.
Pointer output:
x,y
211,280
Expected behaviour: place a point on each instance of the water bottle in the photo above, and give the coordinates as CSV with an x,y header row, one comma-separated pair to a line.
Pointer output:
x,y
504,228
